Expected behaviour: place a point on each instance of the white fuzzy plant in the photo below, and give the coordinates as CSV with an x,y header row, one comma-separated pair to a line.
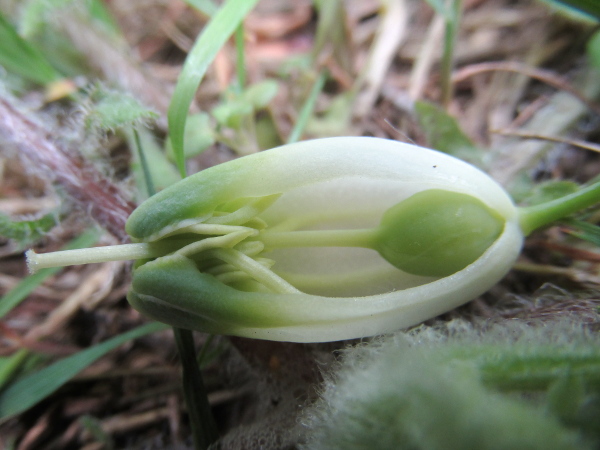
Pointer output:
x,y
322,240
443,387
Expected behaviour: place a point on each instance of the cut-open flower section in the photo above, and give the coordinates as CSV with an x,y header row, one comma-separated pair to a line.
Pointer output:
x,y
322,240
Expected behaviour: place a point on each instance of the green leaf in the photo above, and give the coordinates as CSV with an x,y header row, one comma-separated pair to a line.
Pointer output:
x,y
590,8
162,172
267,134
33,388
25,232
399,396
585,230
19,56
99,12
565,396
112,110
93,426
213,37
11,365
260,94
36,14
334,121
550,190
438,6
27,285
444,134
231,113
593,50
206,7
198,137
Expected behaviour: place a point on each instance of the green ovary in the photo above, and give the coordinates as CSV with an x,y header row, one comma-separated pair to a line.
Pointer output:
x,y
437,232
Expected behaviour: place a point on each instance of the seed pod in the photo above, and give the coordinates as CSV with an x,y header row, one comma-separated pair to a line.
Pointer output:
x,y
319,241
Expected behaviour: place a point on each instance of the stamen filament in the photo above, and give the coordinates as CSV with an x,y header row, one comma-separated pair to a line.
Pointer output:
x,y
245,213
229,240
203,228
254,269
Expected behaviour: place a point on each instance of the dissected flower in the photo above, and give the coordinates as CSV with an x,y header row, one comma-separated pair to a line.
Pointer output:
x,y
323,240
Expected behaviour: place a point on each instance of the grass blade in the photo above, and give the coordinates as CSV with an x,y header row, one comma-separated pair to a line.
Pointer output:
x,y
33,388
144,163
204,428
307,108
213,37
585,230
590,7
20,57
206,7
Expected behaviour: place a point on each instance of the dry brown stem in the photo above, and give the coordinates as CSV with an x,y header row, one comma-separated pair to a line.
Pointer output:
x,y
542,75
94,193
574,142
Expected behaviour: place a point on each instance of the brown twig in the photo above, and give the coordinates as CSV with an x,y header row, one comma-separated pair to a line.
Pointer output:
x,y
93,192
574,142
542,75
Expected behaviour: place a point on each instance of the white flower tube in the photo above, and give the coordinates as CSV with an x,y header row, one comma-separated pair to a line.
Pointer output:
x,y
286,244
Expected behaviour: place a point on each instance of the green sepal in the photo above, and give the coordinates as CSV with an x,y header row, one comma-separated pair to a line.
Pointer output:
x,y
173,290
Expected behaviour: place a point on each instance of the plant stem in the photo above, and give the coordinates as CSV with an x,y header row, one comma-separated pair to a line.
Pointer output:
x,y
102,200
240,63
319,238
453,8
144,162
122,252
307,108
534,217
204,428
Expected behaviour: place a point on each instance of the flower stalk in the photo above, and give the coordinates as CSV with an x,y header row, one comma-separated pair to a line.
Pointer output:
x,y
538,216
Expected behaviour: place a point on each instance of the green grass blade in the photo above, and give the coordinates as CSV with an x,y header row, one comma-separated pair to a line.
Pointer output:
x,y
593,50
438,6
206,7
10,365
307,108
213,37
33,388
444,134
27,285
20,57
590,7
204,428
240,52
585,230
447,63
99,12
26,232
144,163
